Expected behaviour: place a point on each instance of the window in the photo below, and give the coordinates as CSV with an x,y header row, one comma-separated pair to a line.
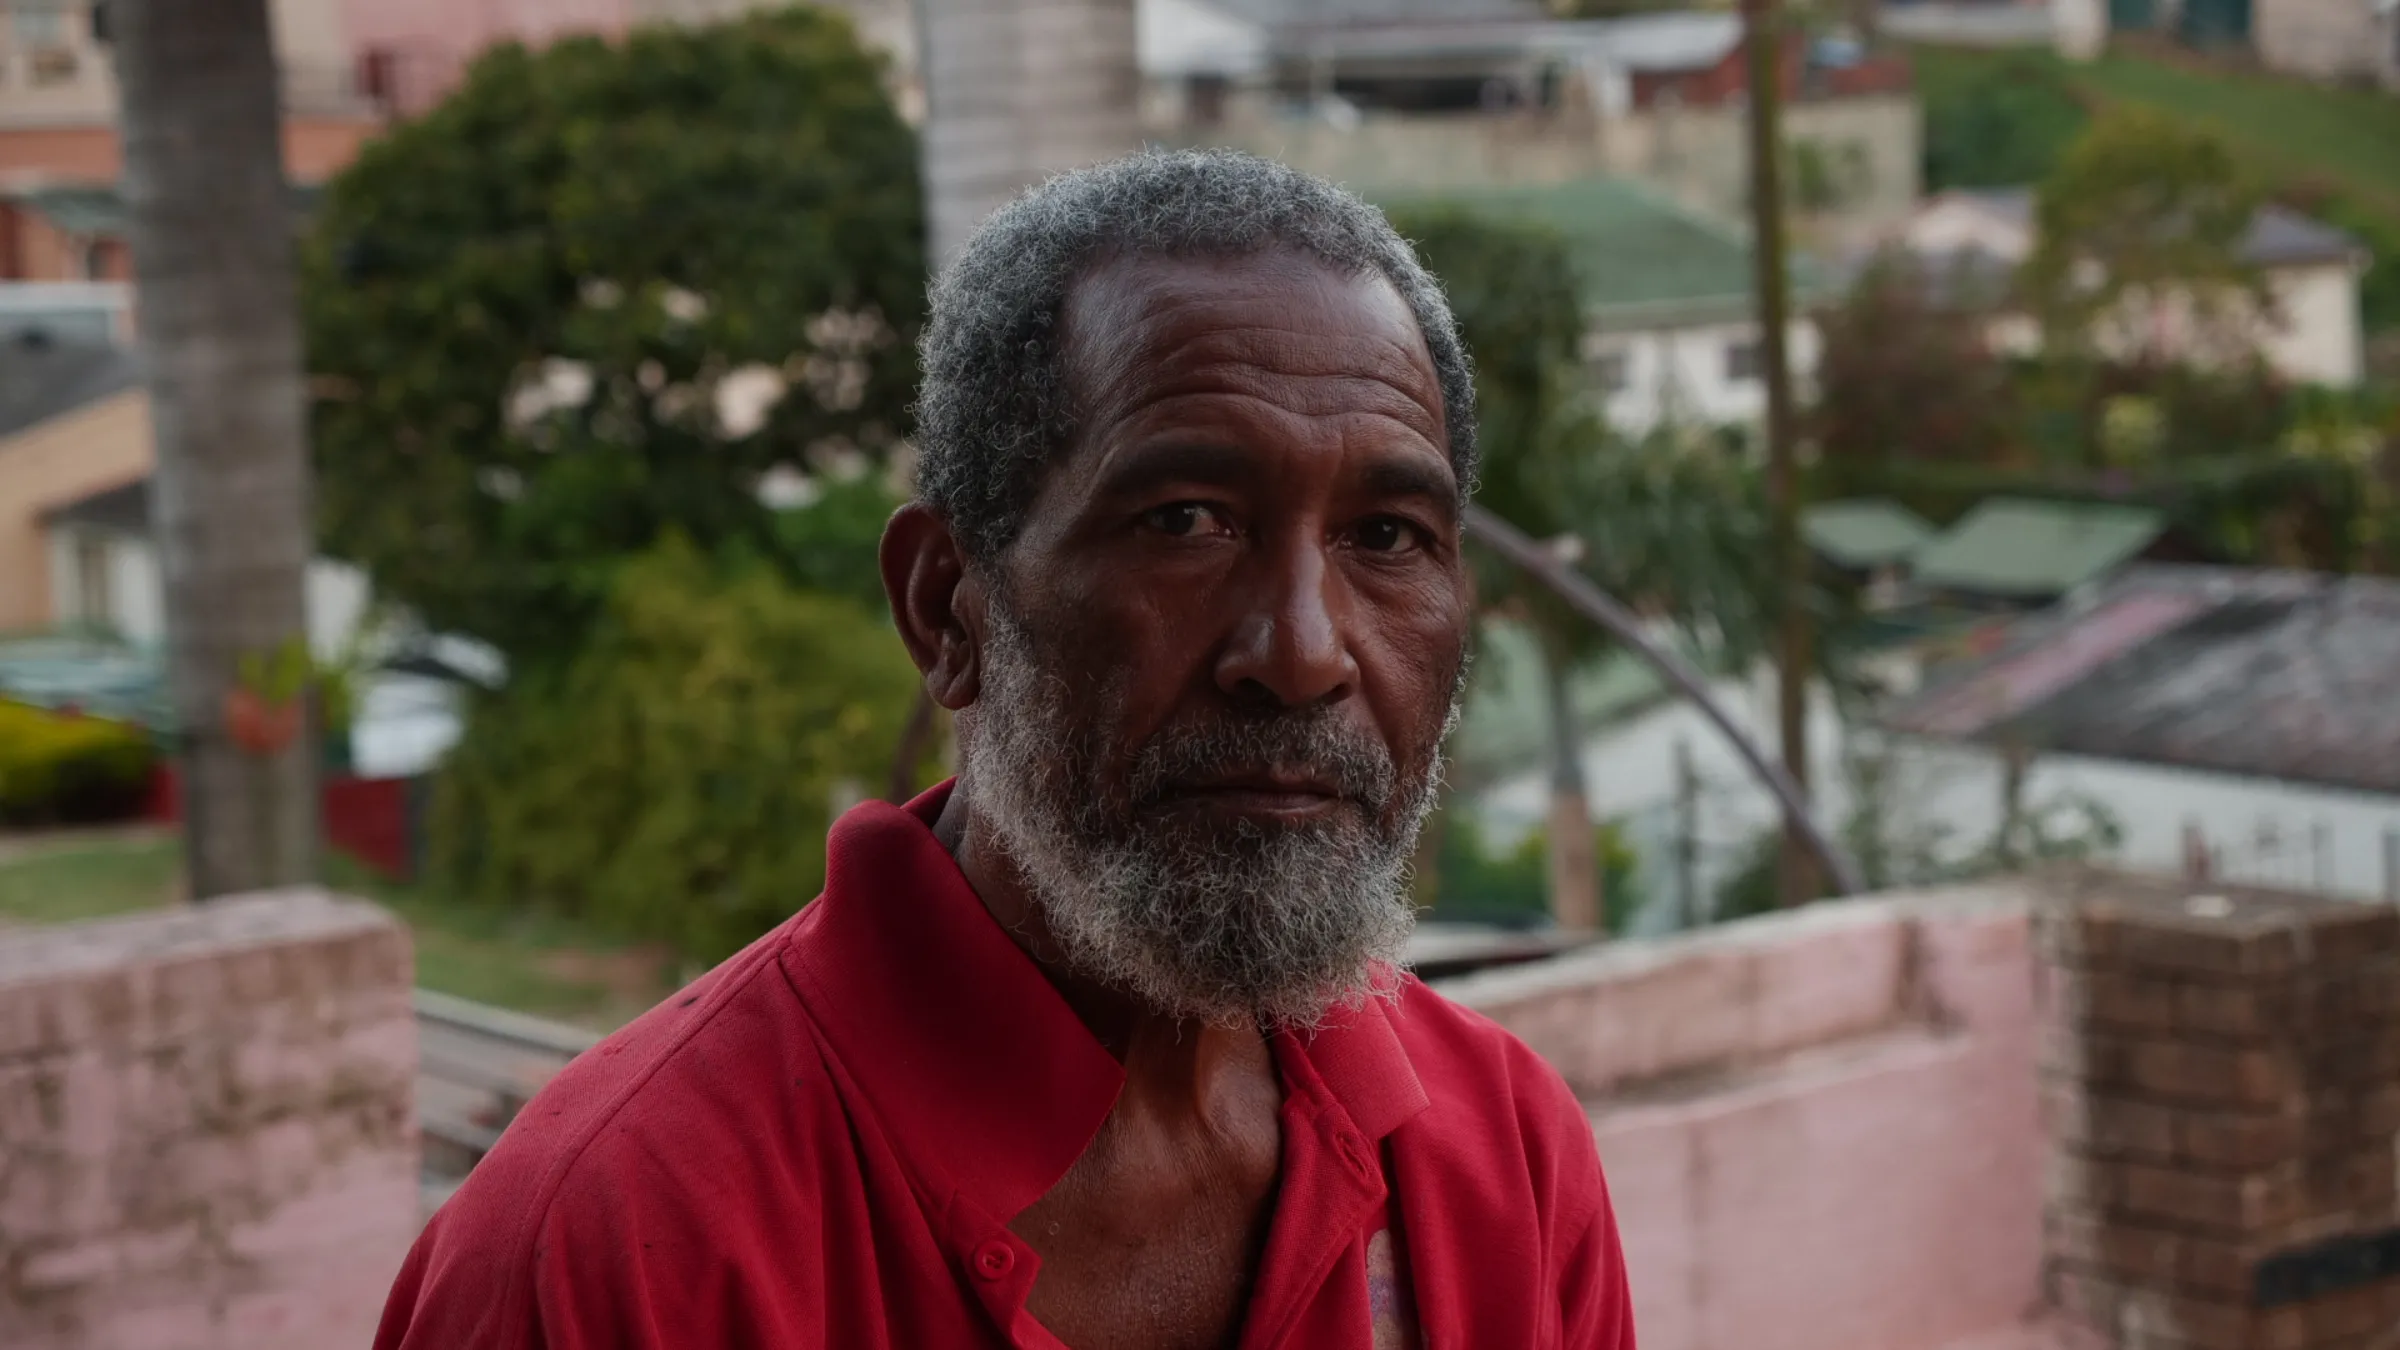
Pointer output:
x,y
91,580
1743,362
1612,370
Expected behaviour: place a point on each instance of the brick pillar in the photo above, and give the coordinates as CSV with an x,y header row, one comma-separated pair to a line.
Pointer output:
x,y
2222,1089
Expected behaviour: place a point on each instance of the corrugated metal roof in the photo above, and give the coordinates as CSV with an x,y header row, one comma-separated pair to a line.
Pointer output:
x,y
1865,532
2272,674
2021,548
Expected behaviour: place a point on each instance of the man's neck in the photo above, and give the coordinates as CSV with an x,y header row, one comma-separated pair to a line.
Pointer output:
x,y
1172,1065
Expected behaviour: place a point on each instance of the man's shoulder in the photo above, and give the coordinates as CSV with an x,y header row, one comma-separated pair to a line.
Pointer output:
x,y
676,1096
1456,1045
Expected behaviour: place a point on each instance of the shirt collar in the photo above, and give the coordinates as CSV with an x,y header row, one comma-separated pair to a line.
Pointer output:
x,y
967,1052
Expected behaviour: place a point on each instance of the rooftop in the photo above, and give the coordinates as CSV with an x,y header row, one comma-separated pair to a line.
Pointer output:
x,y
125,509
43,377
1865,532
2273,674
2278,235
1640,259
2029,549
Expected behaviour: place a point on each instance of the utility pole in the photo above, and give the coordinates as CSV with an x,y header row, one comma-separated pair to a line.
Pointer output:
x,y
1763,43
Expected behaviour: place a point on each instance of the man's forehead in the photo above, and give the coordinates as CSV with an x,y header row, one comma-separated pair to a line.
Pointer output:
x,y
1127,313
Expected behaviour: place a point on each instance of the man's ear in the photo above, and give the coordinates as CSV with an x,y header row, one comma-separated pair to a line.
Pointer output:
x,y
936,602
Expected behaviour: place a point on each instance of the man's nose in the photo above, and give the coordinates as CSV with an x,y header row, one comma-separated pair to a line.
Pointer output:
x,y
1289,641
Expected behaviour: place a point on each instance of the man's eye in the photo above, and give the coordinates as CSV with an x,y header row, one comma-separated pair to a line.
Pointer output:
x,y
1387,534
1186,520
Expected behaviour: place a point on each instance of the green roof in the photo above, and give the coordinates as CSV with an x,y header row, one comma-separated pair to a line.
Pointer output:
x,y
1639,257
1865,532
2032,549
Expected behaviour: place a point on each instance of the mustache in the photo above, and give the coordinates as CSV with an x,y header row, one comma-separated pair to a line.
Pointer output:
x,y
1319,743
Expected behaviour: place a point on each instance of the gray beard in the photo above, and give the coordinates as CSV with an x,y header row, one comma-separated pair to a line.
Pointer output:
x,y
1245,922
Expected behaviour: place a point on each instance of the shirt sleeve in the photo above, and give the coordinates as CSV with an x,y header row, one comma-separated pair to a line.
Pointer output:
x,y
1595,1304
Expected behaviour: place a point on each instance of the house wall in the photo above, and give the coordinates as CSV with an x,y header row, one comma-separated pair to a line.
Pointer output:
x,y
1821,1129
89,450
314,149
337,593
2317,337
1680,374
2327,39
207,1117
309,45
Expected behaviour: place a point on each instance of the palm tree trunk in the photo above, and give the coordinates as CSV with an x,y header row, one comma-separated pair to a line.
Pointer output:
x,y
1017,90
1575,899
217,300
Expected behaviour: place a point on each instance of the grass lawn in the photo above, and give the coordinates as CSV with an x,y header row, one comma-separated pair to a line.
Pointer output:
x,y
534,963
2331,150
2351,137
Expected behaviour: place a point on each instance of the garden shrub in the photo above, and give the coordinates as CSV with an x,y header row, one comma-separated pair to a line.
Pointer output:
x,y
674,780
66,768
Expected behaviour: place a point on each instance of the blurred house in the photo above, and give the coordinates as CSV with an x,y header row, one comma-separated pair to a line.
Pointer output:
x,y
58,97
2329,39
1673,330
1493,94
77,556
2352,41
1973,240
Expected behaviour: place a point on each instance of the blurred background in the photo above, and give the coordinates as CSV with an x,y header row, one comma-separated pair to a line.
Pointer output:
x,y
443,446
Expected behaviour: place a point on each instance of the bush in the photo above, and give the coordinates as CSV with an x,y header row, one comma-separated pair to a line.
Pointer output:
x,y
673,781
1479,885
63,768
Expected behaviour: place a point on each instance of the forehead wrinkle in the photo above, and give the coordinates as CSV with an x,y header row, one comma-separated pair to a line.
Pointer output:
x,y
1311,371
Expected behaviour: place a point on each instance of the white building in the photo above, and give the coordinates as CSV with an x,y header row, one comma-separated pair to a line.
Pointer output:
x,y
2310,269
1673,334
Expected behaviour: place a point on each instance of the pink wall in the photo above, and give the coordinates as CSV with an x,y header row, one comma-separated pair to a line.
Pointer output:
x,y
207,1132
1820,1129
426,44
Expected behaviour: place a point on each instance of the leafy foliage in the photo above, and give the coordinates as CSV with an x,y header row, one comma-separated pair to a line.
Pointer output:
x,y
1905,373
66,768
2139,232
1993,121
592,298
1478,883
674,780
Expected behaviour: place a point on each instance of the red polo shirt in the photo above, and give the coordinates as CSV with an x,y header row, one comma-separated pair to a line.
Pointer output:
x,y
821,1143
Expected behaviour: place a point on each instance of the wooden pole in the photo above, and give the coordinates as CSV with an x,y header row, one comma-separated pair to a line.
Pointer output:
x,y
1763,41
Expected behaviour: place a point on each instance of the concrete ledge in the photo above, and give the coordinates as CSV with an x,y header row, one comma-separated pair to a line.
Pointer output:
x,y
207,1134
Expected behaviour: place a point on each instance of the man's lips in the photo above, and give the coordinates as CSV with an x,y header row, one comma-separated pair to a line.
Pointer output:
x,y
1268,794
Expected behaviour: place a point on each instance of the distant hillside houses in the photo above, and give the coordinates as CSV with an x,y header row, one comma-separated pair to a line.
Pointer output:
x,y
1971,242
1465,94
1673,331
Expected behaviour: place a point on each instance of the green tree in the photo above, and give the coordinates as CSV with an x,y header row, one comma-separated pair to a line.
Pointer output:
x,y
1905,371
1671,522
674,779
2138,252
1994,121
596,296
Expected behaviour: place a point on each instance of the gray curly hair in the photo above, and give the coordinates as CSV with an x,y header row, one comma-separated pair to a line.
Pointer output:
x,y
994,407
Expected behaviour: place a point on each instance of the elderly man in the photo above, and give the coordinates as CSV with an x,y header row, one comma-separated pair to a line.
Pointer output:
x,y
1105,1044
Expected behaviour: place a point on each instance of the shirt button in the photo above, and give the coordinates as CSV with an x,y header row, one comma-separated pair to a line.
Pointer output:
x,y
995,1259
